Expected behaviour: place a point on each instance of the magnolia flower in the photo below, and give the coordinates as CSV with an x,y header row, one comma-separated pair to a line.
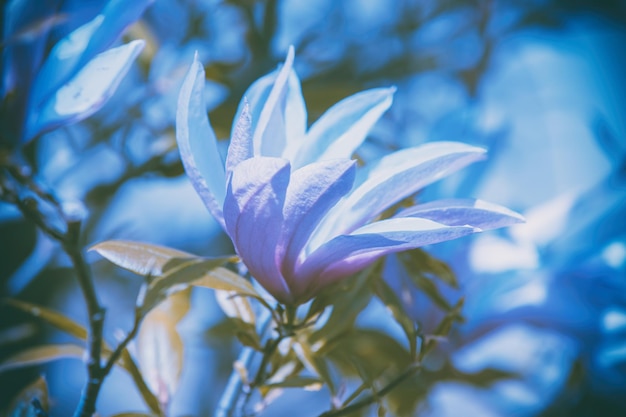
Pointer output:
x,y
298,213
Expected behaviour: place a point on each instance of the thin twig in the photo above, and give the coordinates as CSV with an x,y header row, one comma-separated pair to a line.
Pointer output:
x,y
39,411
121,353
237,392
369,400
235,386
121,347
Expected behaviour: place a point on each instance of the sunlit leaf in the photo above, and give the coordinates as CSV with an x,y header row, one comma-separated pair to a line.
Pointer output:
x,y
246,334
151,401
223,279
141,258
241,317
42,354
197,272
22,404
235,306
70,326
315,363
171,270
284,367
160,347
308,383
52,317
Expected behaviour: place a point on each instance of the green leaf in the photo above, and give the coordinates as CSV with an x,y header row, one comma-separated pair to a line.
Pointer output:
x,y
389,298
232,303
444,327
368,353
42,354
70,326
52,317
241,317
308,383
160,347
224,279
430,289
199,272
419,260
315,363
344,314
22,404
246,334
485,377
149,398
141,258
133,415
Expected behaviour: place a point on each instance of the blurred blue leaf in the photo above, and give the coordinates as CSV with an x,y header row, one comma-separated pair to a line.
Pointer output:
x,y
86,92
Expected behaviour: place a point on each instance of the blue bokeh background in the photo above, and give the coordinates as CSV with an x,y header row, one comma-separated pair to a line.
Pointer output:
x,y
539,83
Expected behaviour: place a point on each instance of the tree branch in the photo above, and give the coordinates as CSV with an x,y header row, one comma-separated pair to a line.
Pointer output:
x,y
371,399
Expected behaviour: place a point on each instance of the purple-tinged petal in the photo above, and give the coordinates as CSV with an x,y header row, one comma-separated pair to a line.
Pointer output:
x,y
277,110
347,254
256,95
270,137
460,212
394,177
312,191
344,127
295,114
87,92
196,139
253,214
240,147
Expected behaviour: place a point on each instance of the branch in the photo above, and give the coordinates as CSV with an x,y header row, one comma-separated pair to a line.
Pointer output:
x,y
117,353
369,400
38,408
70,241
231,401
96,313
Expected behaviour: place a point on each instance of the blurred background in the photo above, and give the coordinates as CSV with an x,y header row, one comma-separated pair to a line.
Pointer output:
x,y
540,83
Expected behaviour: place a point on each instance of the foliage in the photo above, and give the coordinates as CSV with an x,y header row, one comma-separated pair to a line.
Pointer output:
x,y
319,261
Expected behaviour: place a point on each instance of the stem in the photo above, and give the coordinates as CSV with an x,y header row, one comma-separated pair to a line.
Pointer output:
x,y
369,400
70,241
39,411
95,372
230,398
238,392
117,353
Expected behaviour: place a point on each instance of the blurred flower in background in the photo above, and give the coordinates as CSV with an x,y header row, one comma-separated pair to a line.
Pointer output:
x,y
538,83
